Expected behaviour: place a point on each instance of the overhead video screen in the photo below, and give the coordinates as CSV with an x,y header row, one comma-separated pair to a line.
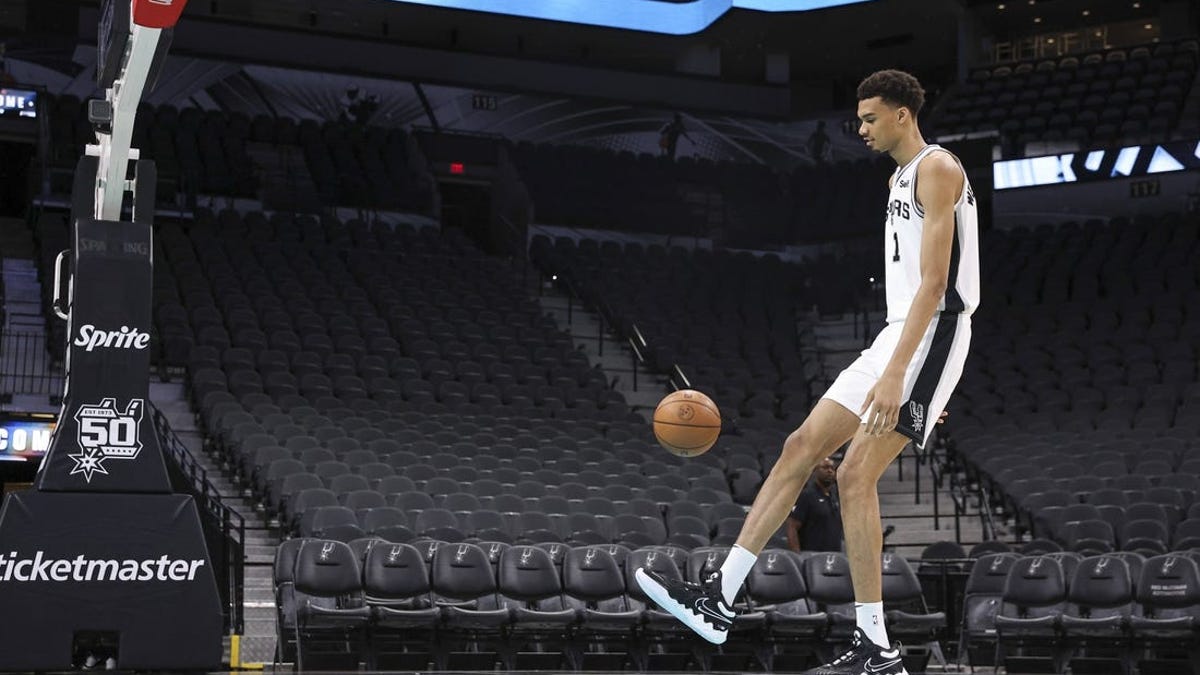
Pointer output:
x,y
655,16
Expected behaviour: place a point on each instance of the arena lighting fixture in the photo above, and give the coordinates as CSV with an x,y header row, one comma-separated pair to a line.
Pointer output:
x,y
653,16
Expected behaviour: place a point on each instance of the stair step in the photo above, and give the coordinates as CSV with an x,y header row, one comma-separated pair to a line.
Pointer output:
x,y
915,537
259,574
924,509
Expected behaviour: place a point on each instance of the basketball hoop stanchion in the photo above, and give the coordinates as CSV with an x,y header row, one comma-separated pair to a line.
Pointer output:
x,y
102,559
137,55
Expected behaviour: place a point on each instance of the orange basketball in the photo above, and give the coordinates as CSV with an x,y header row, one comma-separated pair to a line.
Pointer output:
x,y
687,423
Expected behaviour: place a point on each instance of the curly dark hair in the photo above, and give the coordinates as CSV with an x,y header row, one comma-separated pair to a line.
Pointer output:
x,y
895,87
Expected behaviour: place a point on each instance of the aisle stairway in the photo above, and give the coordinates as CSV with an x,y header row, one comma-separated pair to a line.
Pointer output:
x,y
258,641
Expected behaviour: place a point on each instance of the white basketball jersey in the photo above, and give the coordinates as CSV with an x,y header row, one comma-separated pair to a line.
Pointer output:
x,y
902,247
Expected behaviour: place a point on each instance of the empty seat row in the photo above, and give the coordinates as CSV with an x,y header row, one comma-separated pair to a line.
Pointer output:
x,y
449,604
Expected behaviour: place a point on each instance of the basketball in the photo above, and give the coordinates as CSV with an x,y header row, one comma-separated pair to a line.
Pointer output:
x,y
687,423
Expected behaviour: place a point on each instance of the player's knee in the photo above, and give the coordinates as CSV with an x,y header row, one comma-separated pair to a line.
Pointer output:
x,y
852,479
800,448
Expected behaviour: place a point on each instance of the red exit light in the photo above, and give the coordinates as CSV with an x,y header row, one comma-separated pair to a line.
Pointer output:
x,y
457,167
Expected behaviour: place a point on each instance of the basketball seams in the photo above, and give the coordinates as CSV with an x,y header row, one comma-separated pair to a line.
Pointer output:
x,y
702,401
687,425
707,405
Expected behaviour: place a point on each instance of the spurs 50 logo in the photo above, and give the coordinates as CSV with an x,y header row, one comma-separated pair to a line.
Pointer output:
x,y
106,433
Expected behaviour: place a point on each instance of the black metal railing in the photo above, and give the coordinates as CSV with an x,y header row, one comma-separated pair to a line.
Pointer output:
x,y
638,345
26,366
604,326
224,528
947,477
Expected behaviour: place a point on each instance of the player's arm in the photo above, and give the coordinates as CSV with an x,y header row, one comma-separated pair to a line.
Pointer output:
x,y
939,182
796,520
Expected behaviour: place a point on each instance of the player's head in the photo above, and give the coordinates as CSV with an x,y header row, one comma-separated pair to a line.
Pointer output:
x,y
888,103
826,472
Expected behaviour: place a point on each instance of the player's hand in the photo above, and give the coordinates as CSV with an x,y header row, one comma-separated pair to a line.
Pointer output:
x,y
883,405
943,416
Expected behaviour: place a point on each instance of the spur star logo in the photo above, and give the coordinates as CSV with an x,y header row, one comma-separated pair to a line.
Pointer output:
x,y
106,433
327,550
917,410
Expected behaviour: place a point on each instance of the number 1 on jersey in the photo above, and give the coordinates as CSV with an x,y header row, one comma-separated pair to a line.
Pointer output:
x,y
896,255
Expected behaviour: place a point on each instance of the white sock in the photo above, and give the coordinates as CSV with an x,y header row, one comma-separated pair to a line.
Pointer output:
x,y
870,620
734,571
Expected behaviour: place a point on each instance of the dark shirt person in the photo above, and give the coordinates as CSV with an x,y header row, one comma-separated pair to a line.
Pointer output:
x,y
815,523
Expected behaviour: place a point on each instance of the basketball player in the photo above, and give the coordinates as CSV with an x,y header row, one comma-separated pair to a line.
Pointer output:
x,y
893,394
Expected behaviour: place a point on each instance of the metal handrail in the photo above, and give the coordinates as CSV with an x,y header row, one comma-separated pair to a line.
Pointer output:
x,y
229,522
636,340
29,367
677,371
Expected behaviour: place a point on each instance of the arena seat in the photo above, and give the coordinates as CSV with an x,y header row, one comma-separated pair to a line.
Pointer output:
x,y
330,612
404,620
1028,624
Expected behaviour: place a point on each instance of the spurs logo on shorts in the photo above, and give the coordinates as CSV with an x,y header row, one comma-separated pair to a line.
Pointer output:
x,y
917,410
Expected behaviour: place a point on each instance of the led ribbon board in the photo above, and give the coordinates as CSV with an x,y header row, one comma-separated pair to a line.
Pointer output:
x,y
25,437
21,102
653,16
1097,165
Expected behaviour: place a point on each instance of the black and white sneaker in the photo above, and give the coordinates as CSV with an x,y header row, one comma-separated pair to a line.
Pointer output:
x,y
700,607
863,658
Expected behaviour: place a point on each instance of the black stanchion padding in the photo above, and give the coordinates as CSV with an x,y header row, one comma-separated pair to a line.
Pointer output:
x,y
135,565
104,441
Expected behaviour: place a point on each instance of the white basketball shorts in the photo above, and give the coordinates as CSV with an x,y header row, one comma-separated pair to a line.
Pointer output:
x,y
932,374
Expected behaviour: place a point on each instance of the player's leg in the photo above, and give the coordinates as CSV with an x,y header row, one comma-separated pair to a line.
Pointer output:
x,y
865,461
931,380
706,608
858,478
826,429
